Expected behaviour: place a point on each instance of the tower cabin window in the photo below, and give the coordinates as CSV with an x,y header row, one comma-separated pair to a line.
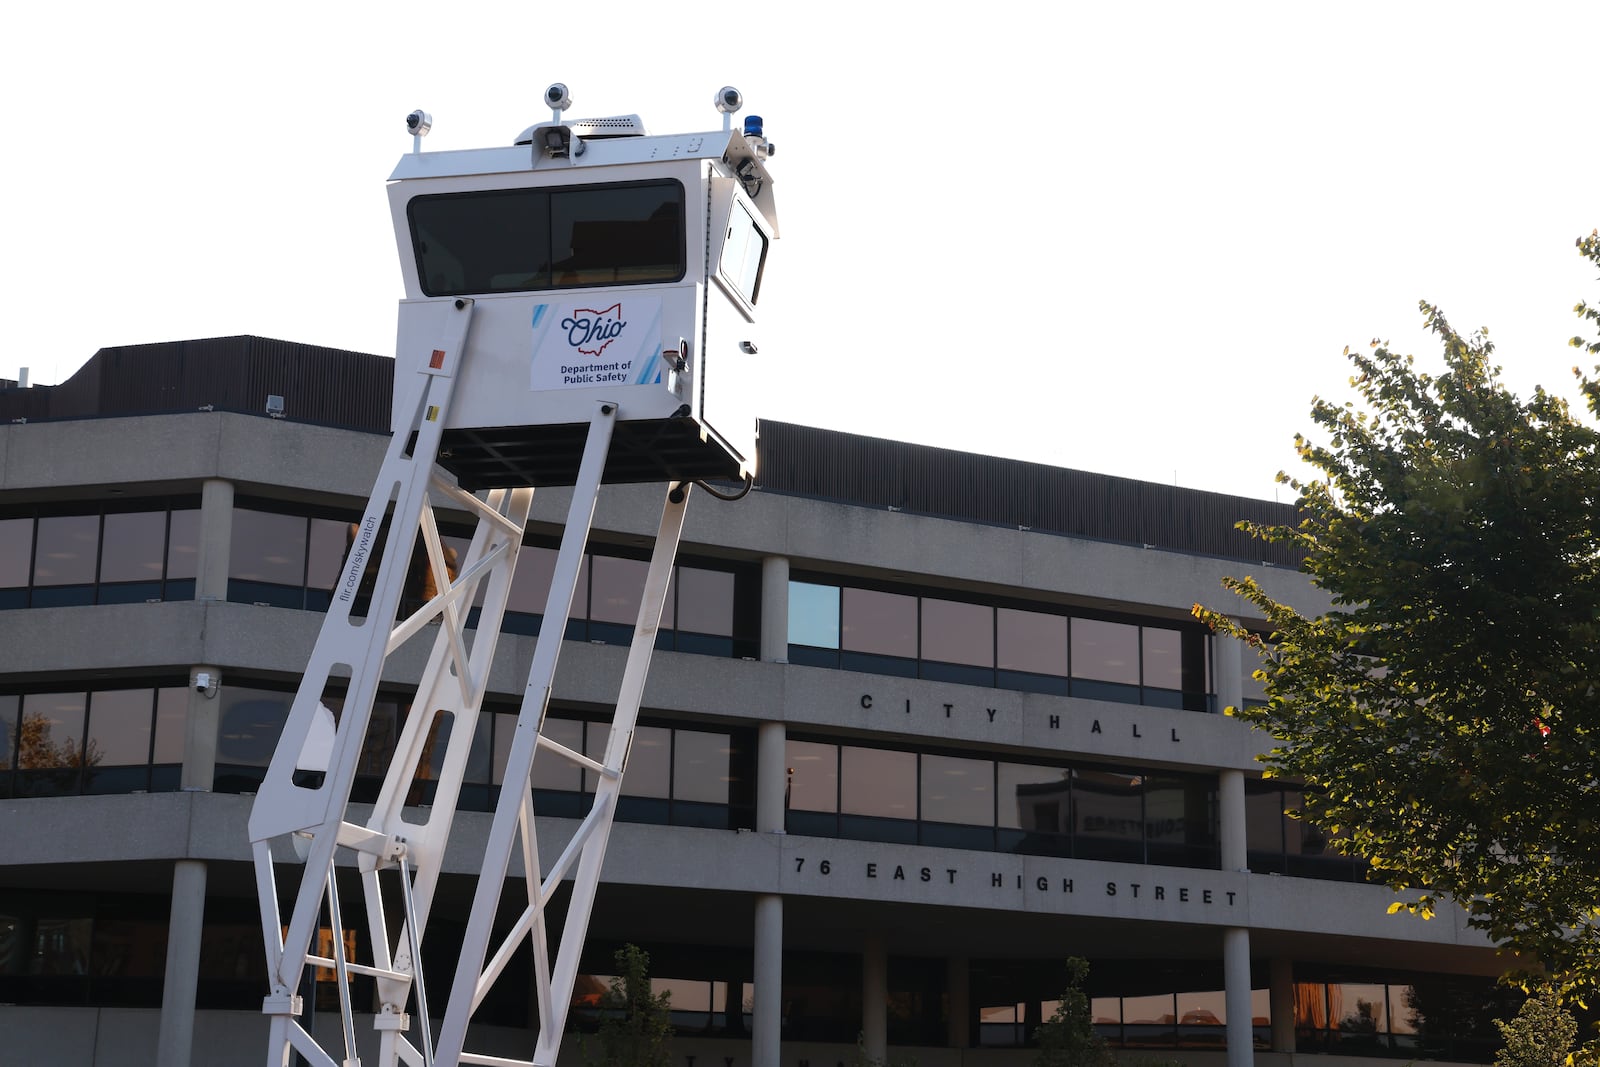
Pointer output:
x,y
521,240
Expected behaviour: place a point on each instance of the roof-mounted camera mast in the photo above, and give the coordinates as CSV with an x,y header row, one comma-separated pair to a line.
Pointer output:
x,y
580,309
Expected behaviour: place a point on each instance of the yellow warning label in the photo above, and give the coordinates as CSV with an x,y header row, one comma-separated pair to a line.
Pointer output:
x,y
433,412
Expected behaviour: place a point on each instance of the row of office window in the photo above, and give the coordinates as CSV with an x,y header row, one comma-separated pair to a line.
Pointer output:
x,y
125,740
130,739
913,635
676,775
109,949
1082,811
121,553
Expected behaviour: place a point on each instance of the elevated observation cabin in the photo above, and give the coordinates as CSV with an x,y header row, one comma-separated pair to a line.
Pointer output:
x,y
605,265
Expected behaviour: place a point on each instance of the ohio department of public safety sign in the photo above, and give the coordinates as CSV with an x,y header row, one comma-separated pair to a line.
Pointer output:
x,y
581,343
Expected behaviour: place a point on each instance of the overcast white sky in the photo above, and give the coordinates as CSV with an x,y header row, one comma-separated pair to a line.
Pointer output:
x,y
1128,238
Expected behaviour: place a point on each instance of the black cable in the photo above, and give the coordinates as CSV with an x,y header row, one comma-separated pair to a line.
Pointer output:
x,y
749,483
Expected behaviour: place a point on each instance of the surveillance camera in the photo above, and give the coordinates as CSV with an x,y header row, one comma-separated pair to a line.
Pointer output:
x,y
203,681
729,100
557,97
418,123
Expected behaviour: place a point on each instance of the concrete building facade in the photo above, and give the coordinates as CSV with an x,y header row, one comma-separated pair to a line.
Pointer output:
x,y
898,759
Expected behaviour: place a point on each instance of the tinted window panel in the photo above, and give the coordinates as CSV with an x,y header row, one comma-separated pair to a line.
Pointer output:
x,y
1105,651
700,766
8,731
879,783
648,773
267,547
813,776
953,632
183,545
52,731
1035,798
883,624
325,553
957,790
551,770
134,547
172,717
119,727
250,721
1107,807
618,587
530,585
66,551
813,615
527,239
16,551
705,601
1163,658
743,253
1031,641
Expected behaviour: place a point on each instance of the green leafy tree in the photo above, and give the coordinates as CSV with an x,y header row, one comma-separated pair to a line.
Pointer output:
x,y
1444,712
1541,1035
1068,1037
635,1023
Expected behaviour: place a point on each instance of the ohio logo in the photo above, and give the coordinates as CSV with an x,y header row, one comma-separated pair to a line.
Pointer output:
x,y
590,331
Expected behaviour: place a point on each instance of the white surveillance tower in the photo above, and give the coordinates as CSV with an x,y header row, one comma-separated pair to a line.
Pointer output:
x,y
580,310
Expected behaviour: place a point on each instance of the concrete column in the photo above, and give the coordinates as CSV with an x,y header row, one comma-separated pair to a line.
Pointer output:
x,y
958,988
1236,985
772,778
767,1024
1282,1004
775,609
1227,663
216,540
175,1038
875,998
200,729
1231,817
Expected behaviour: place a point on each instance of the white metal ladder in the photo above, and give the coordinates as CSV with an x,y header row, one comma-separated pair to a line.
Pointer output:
x,y
303,799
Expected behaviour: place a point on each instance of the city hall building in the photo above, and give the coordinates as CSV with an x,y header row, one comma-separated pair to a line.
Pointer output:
x,y
921,725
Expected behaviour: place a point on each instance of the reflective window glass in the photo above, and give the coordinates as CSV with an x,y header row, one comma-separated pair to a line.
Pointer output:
x,y
325,553
551,770
813,615
649,769
1105,651
480,757
183,544
743,253
705,601
1034,798
249,722
51,734
1202,1009
66,551
1163,658
883,624
956,632
958,790
530,584
700,766
1402,1012
813,775
505,731
1106,1011
172,719
267,547
1031,641
119,727
1149,1016
8,729
134,547
878,782
16,552
1263,816
1311,1005
1179,810
383,735
617,589
1358,1008
1108,804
